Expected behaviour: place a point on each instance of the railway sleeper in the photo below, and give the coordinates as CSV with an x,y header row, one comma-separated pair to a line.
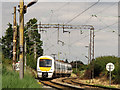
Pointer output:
x,y
67,85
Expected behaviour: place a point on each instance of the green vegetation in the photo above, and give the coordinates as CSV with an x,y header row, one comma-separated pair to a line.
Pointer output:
x,y
33,37
7,42
10,79
81,67
32,41
79,72
31,62
105,86
100,68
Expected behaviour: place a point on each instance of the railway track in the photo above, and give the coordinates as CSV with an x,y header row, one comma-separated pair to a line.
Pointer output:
x,y
73,81
70,81
72,84
59,85
49,83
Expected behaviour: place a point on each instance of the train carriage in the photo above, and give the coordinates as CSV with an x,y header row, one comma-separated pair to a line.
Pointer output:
x,y
47,67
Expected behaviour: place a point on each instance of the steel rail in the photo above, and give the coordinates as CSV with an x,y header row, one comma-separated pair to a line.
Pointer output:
x,y
60,86
88,85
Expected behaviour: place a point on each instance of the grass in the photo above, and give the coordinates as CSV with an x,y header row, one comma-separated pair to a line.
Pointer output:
x,y
98,82
10,79
105,86
0,76
79,73
0,68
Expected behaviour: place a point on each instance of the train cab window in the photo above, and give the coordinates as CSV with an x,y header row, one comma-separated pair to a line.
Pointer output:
x,y
45,63
69,68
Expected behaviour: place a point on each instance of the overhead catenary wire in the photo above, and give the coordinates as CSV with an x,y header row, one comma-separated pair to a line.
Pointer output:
x,y
98,30
87,9
88,20
106,8
107,26
53,11
48,45
81,13
62,6
95,32
99,12
103,22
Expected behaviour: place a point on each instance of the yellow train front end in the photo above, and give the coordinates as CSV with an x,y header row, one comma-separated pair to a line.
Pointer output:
x,y
45,67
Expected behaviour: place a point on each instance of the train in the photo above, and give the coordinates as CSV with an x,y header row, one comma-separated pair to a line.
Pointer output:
x,y
47,67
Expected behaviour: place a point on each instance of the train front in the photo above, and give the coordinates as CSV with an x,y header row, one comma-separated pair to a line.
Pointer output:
x,y
45,67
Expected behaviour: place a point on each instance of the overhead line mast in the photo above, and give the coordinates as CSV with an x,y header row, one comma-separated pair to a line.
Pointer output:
x,y
66,26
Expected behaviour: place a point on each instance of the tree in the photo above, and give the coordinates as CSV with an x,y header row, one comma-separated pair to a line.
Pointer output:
x,y
66,61
33,42
33,38
7,43
79,64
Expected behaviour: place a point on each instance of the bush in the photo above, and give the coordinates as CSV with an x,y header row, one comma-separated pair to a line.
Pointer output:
x,y
31,61
100,67
82,67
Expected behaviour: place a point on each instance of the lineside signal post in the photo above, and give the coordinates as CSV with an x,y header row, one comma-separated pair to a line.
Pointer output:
x,y
110,67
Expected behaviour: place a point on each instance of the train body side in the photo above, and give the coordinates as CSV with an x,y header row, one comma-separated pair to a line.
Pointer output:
x,y
62,69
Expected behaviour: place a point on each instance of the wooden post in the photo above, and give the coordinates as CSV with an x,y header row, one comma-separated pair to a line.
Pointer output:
x,y
14,38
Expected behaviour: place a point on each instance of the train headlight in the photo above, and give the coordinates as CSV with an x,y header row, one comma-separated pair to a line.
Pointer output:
x,y
39,71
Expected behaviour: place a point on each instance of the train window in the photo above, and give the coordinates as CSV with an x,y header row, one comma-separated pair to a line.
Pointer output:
x,y
45,63
57,66
64,66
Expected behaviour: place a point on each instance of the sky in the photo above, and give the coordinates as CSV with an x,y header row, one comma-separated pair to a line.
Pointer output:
x,y
103,16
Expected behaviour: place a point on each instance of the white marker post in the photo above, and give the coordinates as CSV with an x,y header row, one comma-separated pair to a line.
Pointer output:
x,y
110,67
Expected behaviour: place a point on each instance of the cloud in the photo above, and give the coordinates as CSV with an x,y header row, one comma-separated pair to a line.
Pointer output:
x,y
53,12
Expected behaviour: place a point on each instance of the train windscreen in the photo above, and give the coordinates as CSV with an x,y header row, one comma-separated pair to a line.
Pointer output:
x,y
45,63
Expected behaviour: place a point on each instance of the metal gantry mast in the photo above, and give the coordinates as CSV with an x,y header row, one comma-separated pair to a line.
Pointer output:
x,y
65,26
78,27
92,52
